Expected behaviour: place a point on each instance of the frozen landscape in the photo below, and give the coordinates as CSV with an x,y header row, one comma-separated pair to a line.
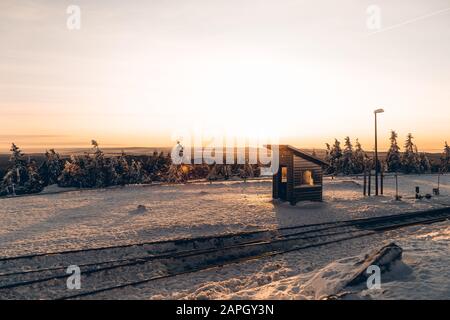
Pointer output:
x,y
209,150
106,217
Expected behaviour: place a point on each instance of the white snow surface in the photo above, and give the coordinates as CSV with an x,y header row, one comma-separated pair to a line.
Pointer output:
x,y
423,272
88,218
105,217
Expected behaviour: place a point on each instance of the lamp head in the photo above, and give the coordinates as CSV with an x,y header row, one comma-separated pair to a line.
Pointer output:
x,y
379,111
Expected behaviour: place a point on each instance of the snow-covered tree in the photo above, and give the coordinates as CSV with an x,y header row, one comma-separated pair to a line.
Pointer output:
x,y
368,164
73,174
157,166
18,163
97,166
137,174
393,157
224,171
110,174
200,171
336,158
96,170
424,163
327,152
17,174
246,171
178,173
34,183
212,174
122,170
329,169
347,157
410,158
51,168
445,159
359,156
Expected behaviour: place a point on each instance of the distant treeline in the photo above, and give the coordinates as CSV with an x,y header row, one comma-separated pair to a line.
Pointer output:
x,y
96,170
354,160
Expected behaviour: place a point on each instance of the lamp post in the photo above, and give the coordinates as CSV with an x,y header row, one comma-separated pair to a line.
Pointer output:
x,y
376,150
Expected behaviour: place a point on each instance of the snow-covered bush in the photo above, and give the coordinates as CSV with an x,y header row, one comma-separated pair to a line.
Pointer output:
x,y
22,176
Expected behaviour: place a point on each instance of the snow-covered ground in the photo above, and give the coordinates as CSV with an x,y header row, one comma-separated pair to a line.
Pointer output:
x,y
423,272
91,218
136,213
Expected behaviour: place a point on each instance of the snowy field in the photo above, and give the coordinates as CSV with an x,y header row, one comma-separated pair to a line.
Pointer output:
x,y
92,218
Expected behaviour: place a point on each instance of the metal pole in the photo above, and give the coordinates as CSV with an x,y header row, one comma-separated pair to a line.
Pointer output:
x,y
365,182
376,157
439,180
396,187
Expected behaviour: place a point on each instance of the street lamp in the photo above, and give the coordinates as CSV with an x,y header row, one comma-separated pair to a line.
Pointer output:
x,y
376,151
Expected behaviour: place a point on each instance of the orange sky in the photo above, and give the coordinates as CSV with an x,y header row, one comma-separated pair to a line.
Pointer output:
x,y
138,72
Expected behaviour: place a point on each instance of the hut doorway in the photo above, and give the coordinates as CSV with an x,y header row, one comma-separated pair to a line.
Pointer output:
x,y
282,184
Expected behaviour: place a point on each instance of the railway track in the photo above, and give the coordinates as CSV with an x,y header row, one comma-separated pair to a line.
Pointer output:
x,y
111,268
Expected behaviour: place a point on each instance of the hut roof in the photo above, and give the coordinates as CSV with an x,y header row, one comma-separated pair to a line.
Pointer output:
x,y
301,154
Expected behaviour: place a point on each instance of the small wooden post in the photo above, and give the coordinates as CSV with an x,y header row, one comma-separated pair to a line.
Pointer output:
x,y
381,179
369,183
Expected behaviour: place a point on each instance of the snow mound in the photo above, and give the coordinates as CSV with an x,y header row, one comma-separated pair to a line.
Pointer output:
x,y
328,282
54,188
141,209
332,279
